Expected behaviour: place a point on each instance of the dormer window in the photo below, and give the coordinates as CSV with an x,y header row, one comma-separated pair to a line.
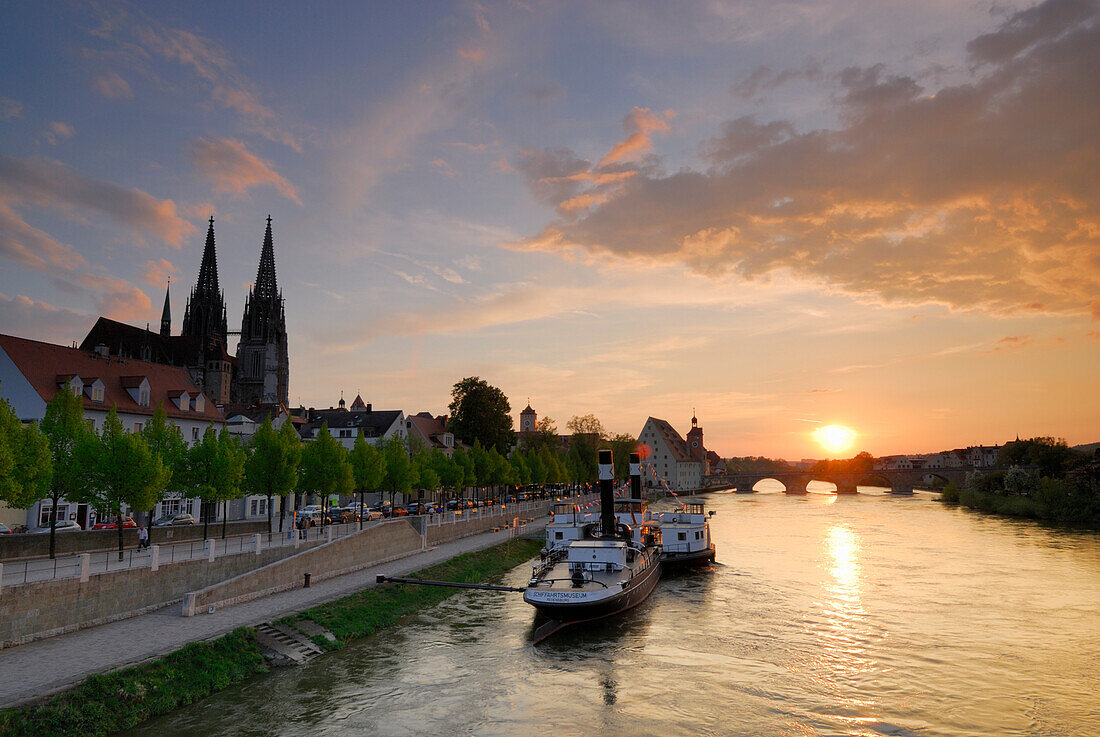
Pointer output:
x,y
200,403
93,387
181,399
138,389
76,386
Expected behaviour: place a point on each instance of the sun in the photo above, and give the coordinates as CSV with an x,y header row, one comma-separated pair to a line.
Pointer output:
x,y
835,438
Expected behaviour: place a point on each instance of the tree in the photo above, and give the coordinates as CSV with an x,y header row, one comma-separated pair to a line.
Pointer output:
x,y
272,466
622,445
234,457
368,468
64,428
481,412
521,472
325,468
166,442
292,442
25,469
427,477
449,472
400,474
586,425
467,475
211,474
119,470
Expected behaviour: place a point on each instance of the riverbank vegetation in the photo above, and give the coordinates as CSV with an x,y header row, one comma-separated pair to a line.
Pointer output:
x,y
110,702
1041,478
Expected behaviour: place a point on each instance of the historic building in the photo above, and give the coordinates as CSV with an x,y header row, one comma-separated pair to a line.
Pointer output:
x,y
375,426
32,372
671,459
258,377
263,366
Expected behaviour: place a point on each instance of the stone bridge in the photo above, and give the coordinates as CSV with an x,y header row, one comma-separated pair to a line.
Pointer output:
x,y
897,481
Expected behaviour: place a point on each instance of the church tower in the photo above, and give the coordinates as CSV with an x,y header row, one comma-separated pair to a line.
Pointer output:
x,y
528,420
263,364
166,313
695,440
204,321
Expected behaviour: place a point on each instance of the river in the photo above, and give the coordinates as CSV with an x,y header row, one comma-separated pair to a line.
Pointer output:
x,y
825,615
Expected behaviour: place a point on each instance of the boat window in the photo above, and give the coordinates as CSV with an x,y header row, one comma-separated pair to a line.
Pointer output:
x,y
681,536
557,536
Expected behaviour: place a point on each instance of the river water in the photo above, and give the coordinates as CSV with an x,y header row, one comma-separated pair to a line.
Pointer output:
x,y
825,615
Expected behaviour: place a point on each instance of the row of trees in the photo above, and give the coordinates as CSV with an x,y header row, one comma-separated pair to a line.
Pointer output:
x,y
112,470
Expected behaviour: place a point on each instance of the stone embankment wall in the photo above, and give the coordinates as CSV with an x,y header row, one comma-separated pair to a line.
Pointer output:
x,y
393,539
14,547
473,525
40,609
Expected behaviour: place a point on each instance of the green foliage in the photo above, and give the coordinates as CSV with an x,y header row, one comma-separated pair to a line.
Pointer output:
x,y
1021,482
64,428
214,470
272,466
950,494
111,702
400,472
1056,501
481,413
119,471
1051,455
862,462
621,445
368,467
25,468
325,467
371,610
166,443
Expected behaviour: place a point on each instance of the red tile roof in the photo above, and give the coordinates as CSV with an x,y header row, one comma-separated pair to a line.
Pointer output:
x,y
43,365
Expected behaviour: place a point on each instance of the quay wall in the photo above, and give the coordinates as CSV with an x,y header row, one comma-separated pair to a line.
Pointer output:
x,y
14,547
473,525
40,609
377,544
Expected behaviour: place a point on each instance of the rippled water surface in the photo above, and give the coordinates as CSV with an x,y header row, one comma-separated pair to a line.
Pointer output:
x,y
869,615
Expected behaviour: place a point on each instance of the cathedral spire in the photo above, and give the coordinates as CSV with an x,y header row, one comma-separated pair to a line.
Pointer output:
x,y
266,287
166,314
208,271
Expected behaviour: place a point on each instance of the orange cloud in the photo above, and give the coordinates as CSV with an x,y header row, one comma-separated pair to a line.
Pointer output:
x,y
981,196
156,273
641,124
231,167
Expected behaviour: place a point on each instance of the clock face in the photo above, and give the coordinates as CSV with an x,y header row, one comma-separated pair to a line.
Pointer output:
x,y
694,443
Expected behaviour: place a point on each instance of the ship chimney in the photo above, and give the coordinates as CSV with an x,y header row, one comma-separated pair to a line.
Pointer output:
x,y
607,493
635,476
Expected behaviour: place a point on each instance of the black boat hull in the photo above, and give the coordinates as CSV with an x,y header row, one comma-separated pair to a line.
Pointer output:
x,y
684,560
637,591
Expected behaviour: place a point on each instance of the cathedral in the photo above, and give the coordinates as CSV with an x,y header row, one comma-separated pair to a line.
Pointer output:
x,y
259,373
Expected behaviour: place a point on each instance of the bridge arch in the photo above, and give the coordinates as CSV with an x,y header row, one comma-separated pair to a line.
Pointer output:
x,y
933,479
817,485
876,480
768,485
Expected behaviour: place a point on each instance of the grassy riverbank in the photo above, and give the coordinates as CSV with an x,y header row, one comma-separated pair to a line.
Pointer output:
x,y
1054,503
106,703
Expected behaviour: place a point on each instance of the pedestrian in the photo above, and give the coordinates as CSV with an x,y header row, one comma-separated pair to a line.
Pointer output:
x,y
143,538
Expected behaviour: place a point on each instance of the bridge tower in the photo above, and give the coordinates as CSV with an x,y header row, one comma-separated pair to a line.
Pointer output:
x,y
695,440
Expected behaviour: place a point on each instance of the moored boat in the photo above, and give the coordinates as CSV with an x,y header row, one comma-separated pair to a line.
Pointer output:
x,y
614,567
685,536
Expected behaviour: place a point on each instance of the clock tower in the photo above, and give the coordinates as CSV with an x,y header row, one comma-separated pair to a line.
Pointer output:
x,y
528,420
695,440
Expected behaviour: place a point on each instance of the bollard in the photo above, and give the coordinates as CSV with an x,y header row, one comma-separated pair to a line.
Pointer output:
x,y
154,558
329,533
210,551
297,538
306,584
85,566
1,577
256,542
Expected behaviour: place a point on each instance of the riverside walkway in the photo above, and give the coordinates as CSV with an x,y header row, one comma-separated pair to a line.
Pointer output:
x,y
37,669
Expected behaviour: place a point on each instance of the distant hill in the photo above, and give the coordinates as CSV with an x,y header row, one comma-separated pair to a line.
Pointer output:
x,y
1087,448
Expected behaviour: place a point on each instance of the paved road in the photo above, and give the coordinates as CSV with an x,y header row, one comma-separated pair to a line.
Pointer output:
x,y
44,667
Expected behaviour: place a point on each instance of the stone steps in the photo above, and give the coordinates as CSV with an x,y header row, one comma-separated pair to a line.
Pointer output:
x,y
281,643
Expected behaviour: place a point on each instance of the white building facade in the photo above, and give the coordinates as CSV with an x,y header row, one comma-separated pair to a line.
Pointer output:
x,y
668,458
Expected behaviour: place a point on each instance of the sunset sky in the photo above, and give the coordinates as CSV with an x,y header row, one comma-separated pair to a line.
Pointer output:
x,y
881,215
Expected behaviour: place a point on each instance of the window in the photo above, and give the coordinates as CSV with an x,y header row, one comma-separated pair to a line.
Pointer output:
x,y
97,394
557,535
195,433
681,536
137,427
170,506
44,514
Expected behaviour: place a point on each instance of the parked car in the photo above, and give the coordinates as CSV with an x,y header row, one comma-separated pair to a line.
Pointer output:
x,y
4,529
400,512
63,525
312,516
373,513
339,515
127,523
180,518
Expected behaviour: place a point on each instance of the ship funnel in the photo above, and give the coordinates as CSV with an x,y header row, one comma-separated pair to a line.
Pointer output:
x,y
607,493
635,476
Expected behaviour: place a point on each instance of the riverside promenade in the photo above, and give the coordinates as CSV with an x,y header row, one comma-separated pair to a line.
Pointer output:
x,y
37,669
